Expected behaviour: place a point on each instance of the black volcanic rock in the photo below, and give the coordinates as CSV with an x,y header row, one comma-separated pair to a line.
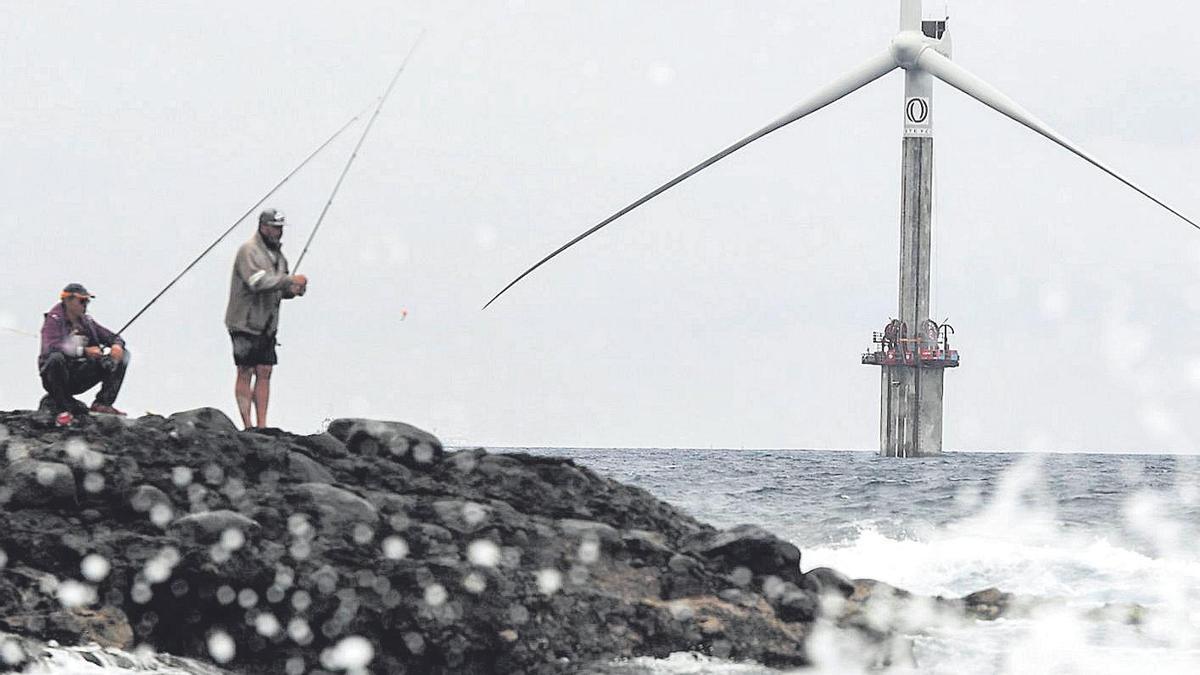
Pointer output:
x,y
822,580
748,546
407,444
34,483
183,533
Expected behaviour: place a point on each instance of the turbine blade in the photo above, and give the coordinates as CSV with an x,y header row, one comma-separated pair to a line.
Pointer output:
x,y
958,77
866,73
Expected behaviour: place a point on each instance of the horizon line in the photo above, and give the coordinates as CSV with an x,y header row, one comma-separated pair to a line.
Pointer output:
x,y
467,446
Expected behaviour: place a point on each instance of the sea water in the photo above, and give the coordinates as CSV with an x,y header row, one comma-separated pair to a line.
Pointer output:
x,y
1080,530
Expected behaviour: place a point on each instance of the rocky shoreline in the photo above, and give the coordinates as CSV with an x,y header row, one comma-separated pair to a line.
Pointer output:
x,y
370,547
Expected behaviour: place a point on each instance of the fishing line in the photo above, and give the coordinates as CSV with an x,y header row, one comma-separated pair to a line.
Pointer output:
x,y
244,216
18,331
367,130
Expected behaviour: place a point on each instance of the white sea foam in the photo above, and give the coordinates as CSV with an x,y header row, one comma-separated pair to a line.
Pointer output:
x,y
954,563
107,661
1015,543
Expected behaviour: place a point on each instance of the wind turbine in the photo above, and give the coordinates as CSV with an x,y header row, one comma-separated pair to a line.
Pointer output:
x,y
912,367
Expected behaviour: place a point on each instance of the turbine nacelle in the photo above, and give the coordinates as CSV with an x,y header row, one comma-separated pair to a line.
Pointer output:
x,y
907,46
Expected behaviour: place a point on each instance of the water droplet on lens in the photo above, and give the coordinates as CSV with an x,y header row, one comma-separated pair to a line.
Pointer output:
x,y
221,647
436,595
94,567
483,553
395,548
549,581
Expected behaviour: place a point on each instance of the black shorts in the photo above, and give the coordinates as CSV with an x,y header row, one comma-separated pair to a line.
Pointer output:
x,y
253,350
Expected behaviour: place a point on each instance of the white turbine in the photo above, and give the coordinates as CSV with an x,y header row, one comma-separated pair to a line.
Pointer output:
x,y
921,56
914,350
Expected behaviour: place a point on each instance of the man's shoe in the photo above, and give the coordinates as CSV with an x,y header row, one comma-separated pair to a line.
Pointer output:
x,y
64,419
105,409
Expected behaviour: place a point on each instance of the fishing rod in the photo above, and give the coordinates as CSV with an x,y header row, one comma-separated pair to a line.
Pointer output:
x,y
367,130
244,216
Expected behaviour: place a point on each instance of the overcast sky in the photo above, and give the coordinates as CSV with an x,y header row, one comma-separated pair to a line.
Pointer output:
x,y
730,312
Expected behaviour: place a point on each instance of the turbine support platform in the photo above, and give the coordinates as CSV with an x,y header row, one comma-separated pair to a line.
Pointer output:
x,y
930,349
911,381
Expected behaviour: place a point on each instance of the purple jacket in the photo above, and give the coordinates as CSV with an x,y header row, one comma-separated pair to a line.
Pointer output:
x,y
56,335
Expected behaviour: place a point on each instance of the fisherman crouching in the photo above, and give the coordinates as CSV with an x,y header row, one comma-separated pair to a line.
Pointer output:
x,y
77,354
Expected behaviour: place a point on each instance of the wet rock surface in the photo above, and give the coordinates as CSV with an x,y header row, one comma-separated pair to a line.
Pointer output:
x,y
371,545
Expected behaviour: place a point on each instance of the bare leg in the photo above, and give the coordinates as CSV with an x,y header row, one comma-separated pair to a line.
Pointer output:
x,y
243,393
262,393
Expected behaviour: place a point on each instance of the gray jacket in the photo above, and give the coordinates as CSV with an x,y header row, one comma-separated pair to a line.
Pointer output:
x,y
259,281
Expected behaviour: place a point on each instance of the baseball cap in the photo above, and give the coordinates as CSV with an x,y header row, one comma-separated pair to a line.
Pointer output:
x,y
76,289
271,217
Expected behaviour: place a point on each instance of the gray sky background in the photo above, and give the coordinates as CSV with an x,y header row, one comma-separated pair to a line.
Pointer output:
x,y
731,312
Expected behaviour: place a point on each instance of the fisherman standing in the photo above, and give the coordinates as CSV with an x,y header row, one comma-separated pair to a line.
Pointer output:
x,y
260,280
77,354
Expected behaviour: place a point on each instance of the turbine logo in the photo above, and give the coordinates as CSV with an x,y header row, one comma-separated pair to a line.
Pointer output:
x,y
916,110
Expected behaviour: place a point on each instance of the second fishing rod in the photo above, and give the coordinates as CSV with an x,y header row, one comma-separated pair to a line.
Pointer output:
x,y
280,184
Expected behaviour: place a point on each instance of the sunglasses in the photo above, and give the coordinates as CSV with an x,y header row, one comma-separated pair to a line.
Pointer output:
x,y
83,299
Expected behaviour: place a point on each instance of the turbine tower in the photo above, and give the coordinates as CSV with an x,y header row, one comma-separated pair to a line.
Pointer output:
x,y
913,350
912,357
